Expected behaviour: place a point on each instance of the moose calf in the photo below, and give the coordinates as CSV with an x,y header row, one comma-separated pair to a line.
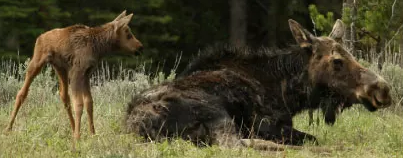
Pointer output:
x,y
73,51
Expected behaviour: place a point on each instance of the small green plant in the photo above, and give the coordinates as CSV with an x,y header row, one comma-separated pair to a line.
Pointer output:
x,y
323,23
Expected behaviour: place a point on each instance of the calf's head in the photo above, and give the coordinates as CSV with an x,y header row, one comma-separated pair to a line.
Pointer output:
x,y
333,67
125,39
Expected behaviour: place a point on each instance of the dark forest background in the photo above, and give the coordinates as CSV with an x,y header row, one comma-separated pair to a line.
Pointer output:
x,y
168,28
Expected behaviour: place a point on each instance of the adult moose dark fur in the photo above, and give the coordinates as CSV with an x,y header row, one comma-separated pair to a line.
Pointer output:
x,y
235,93
73,51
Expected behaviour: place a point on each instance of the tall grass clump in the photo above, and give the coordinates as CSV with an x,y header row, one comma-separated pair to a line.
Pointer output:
x,y
388,64
394,75
43,130
9,84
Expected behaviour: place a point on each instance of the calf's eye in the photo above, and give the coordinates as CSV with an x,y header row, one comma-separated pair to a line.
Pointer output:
x,y
129,36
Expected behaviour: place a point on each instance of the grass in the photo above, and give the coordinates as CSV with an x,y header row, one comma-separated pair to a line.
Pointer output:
x,y
42,128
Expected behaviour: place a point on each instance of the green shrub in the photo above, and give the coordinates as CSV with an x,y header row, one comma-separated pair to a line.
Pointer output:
x,y
394,75
9,87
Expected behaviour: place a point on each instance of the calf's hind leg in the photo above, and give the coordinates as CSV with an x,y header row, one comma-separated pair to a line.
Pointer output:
x,y
34,67
63,92
77,84
81,95
88,104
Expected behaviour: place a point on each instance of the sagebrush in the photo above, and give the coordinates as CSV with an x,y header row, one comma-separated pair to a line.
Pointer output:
x,y
43,131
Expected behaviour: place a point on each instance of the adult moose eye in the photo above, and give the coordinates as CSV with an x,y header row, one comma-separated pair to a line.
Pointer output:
x,y
337,64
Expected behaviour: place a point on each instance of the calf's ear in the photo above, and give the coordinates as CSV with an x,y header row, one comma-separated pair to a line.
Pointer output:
x,y
125,20
338,31
303,37
120,16
122,22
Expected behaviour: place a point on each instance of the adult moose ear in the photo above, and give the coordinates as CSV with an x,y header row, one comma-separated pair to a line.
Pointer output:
x,y
120,16
123,21
338,31
303,37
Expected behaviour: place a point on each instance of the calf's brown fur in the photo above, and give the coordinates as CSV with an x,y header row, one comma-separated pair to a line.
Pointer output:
x,y
73,51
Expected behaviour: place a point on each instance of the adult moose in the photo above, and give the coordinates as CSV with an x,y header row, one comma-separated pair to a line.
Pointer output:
x,y
73,51
229,91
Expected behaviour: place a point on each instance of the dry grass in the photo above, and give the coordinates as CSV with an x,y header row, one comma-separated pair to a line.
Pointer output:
x,y
42,129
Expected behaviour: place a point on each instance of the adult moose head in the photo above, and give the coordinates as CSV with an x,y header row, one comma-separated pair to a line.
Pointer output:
x,y
332,67
228,91
73,51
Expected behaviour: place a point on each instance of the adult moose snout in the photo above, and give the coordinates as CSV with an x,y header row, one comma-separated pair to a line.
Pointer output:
x,y
374,92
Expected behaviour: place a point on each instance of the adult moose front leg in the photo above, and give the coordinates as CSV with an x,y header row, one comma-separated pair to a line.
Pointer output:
x,y
283,134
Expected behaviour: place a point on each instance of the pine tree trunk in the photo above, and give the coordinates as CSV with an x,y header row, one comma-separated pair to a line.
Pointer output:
x,y
350,35
352,27
347,35
238,22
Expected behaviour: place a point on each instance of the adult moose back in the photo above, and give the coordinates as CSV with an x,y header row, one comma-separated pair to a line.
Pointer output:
x,y
73,51
230,93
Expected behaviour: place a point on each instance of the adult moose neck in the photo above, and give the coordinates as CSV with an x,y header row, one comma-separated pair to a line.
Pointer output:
x,y
272,65
265,64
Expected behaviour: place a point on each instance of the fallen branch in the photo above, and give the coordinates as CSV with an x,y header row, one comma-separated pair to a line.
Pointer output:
x,y
260,144
393,37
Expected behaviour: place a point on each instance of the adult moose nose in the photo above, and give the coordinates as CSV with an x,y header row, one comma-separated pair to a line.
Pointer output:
x,y
373,91
382,95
